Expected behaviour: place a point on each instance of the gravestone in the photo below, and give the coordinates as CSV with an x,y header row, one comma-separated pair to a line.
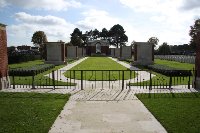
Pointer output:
x,y
125,52
72,52
4,78
143,53
55,53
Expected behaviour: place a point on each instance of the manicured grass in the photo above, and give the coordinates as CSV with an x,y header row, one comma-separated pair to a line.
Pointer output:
x,y
99,63
29,112
162,80
178,113
174,64
40,79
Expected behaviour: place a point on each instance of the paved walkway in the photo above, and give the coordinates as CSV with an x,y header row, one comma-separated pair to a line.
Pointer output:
x,y
105,111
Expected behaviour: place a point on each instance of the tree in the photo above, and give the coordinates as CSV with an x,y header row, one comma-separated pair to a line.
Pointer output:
x,y
195,41
164,49
153,40
95,34
76,38
104,33
38,39
117,36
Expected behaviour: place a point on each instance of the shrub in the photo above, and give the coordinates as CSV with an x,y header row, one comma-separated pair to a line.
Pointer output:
x,y
169,71
30,71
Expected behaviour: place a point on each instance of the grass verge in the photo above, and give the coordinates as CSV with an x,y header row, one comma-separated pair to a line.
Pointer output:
x,y
29,112
99,63
178,113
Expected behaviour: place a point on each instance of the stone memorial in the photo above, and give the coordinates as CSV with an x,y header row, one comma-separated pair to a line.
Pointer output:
x,y
143,53
125,52
55,52
117,53
72,52
80,52
4,78
112,52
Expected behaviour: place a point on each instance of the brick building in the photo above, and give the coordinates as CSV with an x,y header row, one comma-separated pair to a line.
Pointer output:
x,y
4,79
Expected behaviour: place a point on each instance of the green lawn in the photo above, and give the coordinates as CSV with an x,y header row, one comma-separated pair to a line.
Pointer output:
x,y
40,79
99,63
29,112
178,113
162,80
174,64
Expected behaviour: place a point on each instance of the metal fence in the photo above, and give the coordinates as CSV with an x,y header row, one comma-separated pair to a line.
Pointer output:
x,y
93,79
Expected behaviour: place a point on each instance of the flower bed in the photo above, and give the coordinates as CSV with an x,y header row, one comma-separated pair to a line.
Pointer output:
x,y
30,71
169,71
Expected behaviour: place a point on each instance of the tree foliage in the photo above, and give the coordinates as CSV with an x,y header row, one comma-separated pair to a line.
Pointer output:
x,y
153,40
195,33
76,38
164,49
118,36
38,39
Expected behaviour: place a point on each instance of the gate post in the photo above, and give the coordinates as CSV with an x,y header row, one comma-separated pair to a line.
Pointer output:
x,y
33,80
123,80
53,79
150,84
81,79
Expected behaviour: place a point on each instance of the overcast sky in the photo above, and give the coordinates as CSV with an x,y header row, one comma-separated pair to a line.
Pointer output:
x,y
169,20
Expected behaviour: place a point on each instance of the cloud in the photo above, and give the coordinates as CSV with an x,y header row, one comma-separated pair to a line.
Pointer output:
x,y
96,19
55,28
191,4
56,5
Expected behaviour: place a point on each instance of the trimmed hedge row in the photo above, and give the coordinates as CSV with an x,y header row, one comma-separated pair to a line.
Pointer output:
x,y
169,71
30,71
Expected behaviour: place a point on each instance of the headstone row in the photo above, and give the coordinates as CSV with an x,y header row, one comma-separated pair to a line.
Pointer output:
x,y
178,58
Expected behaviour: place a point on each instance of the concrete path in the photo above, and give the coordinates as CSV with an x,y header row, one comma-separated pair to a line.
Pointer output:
x,y
91,111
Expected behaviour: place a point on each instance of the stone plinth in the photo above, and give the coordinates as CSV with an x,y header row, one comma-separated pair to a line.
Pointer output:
x,y
117,53
143,53
72,52
126,52
4,78
55,53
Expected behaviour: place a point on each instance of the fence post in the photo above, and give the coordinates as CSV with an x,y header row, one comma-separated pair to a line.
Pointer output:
x,y
189,81
170,82
81,79
53,79
150,84
13,77
33,80
123,80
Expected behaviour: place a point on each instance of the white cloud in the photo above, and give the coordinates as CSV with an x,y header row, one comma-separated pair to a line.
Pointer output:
x,y
97,19
42,4
55,28
191,4
171,24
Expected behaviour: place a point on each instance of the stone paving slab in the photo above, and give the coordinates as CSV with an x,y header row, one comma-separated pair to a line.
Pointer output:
x,y
106,117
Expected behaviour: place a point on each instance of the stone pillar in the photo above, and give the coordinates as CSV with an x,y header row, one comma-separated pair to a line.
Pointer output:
x,y
197,66
4,78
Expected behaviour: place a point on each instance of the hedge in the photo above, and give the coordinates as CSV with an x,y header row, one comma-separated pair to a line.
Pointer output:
x,y
30,71
169,71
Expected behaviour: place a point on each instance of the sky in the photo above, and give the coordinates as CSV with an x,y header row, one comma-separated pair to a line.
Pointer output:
x,y
168,20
